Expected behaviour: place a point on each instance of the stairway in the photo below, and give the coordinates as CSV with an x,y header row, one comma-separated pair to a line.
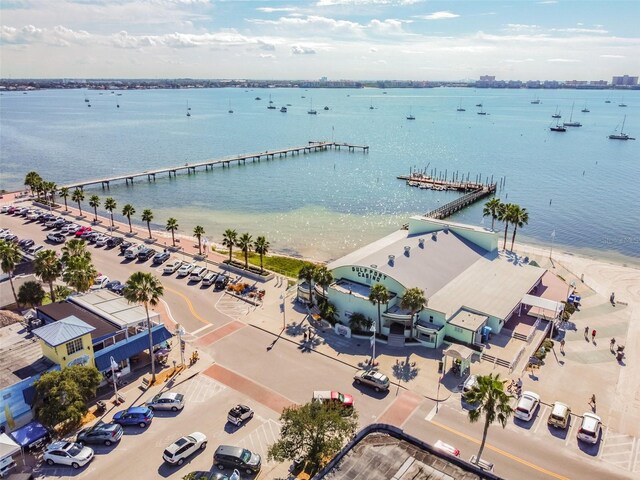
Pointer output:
x,y
395,340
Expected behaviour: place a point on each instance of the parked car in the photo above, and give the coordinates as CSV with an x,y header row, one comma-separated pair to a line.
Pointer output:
x,y
72,228
56,237
33,215
124,246
559,416
161,257
376,380
236,457
446,448
145,254
88,236
11,237
172,267
202,475
83,231
113,284
100,282
182,448
590,428
59,223
67,453
22,211
167,401
25,243
140,416
222,281
51,223
102,240
5,208
114,241
119,288
239,414
101,432
527,405
470,382
197,274
337,399
132,252
185,269
34,249
209,279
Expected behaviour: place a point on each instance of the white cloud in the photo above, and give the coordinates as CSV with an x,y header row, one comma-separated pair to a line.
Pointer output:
x,y
520,27
612,56
563,60
523,60
275,9
442,15
267,55
373,49
548,2
302,50
330,3
578,30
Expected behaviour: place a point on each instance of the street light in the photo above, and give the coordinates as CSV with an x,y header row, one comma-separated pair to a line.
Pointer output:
x,y
373,345
180,331
114,365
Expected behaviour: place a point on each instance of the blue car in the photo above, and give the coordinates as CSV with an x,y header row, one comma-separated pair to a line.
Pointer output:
x,y
140,416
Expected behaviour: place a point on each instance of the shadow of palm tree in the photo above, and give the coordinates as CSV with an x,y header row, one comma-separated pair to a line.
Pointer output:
x,y
295,329
405,371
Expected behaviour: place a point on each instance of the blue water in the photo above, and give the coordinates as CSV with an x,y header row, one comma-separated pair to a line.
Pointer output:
x,y
579,183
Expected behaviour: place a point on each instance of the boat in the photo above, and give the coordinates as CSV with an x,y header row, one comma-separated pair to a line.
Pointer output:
x,y
571,123
86,99
311,111
326,108
271,105
270,101
558,128
535,101
479,105
258,98
188,109
283,109
230,110
621,135
410,116
481,112
557,114
622,104
607,101
460,109
585,109
371,106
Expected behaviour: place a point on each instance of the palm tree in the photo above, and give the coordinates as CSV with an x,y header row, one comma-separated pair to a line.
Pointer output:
x,y
127,211
504,215
10,257
488,393
147,216
145,288
31,180
261,247
491,209
308,273
31,293
323,277
110,205
379,294
229,238
78,196
244,243
64,193
39,186
62,291
80,273
94,202
519,218
52,188
76,247
198,232
413,300
172,226
48,267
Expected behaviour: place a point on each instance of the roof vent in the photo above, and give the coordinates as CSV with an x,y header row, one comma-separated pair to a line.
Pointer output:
x,y
373,265
391,259
421,242
446,229
434,236
407,249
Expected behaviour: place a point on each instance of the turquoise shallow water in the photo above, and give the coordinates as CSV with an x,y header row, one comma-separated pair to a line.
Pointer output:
x,y
580,183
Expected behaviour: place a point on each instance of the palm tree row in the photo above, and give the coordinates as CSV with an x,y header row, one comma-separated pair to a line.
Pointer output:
x,y
319,274
245,243
41,187
509,213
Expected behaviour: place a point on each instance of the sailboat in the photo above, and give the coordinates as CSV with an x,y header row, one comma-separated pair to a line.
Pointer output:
x,y
557,128
481,112
283,109
311,111
622,104
410,116
621,135
271,105
607,101
460,109
585,109
188,109
571,123
371,106
326,107
86,99
557,114
535,101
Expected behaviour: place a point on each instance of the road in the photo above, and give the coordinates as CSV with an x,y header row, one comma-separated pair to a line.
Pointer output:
x,y
245,370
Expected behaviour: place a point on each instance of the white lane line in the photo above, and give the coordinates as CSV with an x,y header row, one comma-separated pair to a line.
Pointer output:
x,y
431,414
166,305
602,442
195,332
540,418
572,424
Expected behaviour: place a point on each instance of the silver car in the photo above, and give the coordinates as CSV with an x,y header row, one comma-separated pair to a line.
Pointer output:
x,y
166,401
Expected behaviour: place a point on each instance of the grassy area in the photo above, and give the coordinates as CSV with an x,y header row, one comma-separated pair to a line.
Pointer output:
x,y
283,265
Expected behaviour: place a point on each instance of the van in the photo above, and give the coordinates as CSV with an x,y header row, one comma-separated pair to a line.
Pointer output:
x,y
197,274
237,458
209,278
34,249
132,252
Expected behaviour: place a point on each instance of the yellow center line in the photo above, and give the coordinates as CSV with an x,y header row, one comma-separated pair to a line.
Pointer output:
x,y
189,304
501,452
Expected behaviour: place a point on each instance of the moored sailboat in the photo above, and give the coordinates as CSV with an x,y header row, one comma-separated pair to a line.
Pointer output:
x,y
621,135
571,123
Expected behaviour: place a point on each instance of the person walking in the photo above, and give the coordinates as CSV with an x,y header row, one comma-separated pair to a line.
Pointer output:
x,y
612,344
592,402
593,335
562,346
586,332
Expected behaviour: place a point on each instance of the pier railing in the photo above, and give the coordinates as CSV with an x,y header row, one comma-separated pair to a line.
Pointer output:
x,y
459,203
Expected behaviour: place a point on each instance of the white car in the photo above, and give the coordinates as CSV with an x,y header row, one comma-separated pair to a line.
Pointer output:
x,y
72,228
527,405
34,249
185,269
197,274
5,208
172,267
101,241
33,215
68,453
590,428
446,448
100,282
178,451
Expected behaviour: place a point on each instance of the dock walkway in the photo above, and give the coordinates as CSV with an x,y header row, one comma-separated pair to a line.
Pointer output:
x,y
452,207
313,146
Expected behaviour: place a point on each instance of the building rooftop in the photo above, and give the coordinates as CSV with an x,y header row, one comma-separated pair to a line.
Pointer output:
x,y
467,320
59,310
114,308
63,331
20,355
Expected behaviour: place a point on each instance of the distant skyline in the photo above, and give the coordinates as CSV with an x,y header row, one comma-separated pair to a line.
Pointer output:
x,y
303,39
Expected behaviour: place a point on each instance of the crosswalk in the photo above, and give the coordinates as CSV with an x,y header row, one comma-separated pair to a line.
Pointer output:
x,y
234,307
200,389
618,448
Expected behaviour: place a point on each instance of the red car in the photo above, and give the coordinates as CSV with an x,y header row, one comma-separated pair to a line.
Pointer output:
x,y
82,230
341,400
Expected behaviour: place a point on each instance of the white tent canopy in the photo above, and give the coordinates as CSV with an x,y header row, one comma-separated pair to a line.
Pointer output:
x,y
7,446
543,307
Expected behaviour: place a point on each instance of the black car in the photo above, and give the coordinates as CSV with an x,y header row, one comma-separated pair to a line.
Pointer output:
x,y
124,246
222,281
202,475
114,242
119,288
146,254
91,237
59,223
113,284
160,258
25,243
237,458
103,433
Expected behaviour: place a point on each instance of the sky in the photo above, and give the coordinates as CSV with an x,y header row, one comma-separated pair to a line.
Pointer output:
x,y
310,39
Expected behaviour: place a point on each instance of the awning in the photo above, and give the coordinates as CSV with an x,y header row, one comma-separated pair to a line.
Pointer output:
x,y
542,307
459,352
130,347
7,446
30,433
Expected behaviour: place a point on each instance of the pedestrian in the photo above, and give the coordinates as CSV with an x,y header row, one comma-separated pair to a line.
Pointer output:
x,y
305,337
586,331
562,346
592,402
612,344
593,335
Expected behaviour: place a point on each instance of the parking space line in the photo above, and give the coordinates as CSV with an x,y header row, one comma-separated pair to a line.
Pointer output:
x,y
572,424
539,418
635,464
603,442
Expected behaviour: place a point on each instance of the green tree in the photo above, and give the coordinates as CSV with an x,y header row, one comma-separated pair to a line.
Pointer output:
x,y
308,273
261,247
316,431
147,216
10,257
145,288
504,215
62,395
413,300
377,295
128,211
519,218
172,226
39,187
110,205
64,193
31,294
32,180
323,277
492,401
76,247
198,232
229,238
78,196
359,322
48,267
80,273
52,188
328,311
94,202
62,291
244,243
491,209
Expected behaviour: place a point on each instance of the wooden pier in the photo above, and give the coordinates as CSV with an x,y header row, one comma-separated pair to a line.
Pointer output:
x,y
452,207
431,183
189,168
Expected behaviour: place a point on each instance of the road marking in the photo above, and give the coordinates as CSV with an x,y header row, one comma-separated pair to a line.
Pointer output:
x,y
539,418
431,414
618,450
602,442
400,409
189,305
195,332
572,423
166,306
219,333
501,452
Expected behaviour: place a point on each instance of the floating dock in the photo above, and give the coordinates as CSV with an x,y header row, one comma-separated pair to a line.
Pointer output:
x,y
313,146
